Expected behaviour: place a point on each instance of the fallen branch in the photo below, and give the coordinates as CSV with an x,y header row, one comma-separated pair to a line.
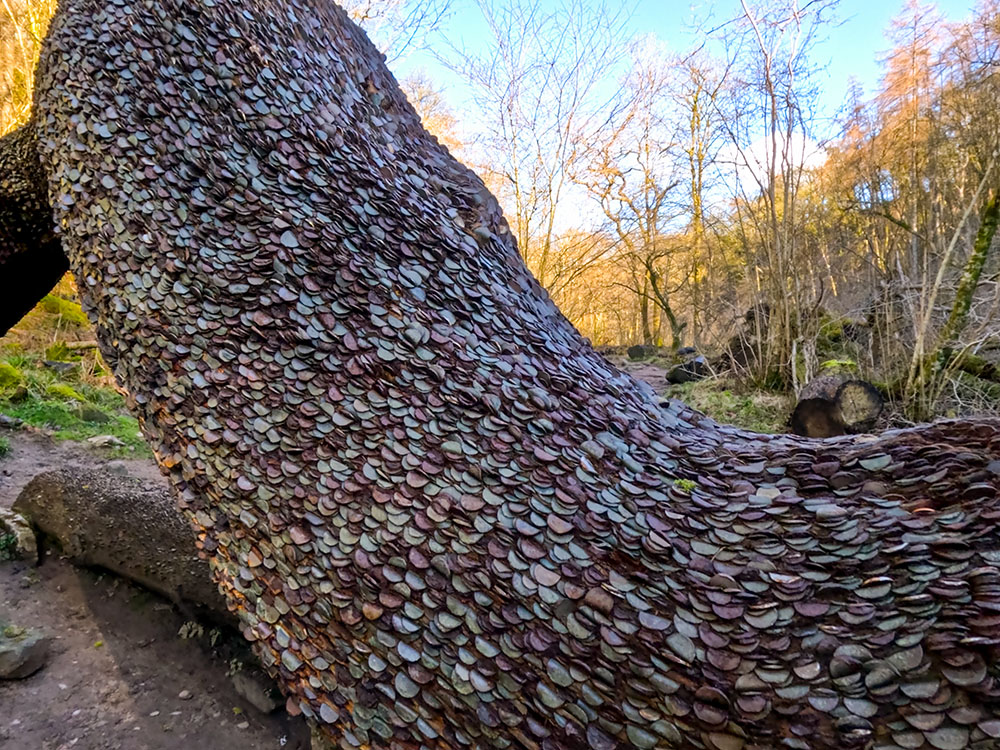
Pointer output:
x,y
74,346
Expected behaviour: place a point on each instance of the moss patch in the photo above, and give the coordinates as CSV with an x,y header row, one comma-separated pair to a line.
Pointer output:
x,y
65,423
760,411
75,410
69,311
10,376
64,392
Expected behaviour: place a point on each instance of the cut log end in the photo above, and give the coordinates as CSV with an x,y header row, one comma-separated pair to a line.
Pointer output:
x,y
860,405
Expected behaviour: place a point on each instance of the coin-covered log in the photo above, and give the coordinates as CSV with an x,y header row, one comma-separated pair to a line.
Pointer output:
x,y
441,518
31,258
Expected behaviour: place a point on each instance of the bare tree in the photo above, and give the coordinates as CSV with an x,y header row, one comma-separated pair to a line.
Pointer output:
x,y
538,77
435,113
700,84
22,27
398,26
630,171
770,128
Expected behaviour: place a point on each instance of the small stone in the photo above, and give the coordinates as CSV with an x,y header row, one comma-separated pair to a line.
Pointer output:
x,y
257,690
25,545
185,695
103,441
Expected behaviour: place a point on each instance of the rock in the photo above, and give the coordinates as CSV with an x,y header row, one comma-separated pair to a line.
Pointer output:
x,y
15,526
257,689
102,441
686,351
128,526
185,695
641,351
688,372
609,350
62,368
22,652
10,423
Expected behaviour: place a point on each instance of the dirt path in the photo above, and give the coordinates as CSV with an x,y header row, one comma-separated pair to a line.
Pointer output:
x,y
118,667
652,374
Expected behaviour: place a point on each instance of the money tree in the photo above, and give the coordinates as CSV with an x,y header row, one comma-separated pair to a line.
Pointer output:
x,y
443,520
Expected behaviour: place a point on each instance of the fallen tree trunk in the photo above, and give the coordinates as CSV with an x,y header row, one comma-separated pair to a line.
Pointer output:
x,y
74,346
125,525
442,519
832,405
977,366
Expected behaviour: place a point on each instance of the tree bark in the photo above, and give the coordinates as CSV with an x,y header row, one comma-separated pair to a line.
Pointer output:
x,y
442,519
31,258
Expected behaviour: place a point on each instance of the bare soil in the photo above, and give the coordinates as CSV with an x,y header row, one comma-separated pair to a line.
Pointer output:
x,y
655,375
117,666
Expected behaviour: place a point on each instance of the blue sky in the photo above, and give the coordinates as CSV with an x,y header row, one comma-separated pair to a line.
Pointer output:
x,y
851,49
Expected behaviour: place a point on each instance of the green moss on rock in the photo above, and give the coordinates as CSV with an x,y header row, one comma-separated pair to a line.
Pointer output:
x,y
69,311
10,376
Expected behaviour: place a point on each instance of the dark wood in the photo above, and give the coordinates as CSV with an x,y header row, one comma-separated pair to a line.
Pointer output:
x,y
833,405
816,418
31,258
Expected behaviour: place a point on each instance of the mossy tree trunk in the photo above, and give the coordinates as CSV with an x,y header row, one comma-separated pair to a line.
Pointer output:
x,y
943,361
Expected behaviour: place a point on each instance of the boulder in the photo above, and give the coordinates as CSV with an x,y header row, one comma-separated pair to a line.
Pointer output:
x,y
690,371
257,689
642,351
22,652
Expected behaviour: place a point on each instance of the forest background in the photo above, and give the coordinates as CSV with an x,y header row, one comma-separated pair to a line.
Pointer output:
x,y
702,197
